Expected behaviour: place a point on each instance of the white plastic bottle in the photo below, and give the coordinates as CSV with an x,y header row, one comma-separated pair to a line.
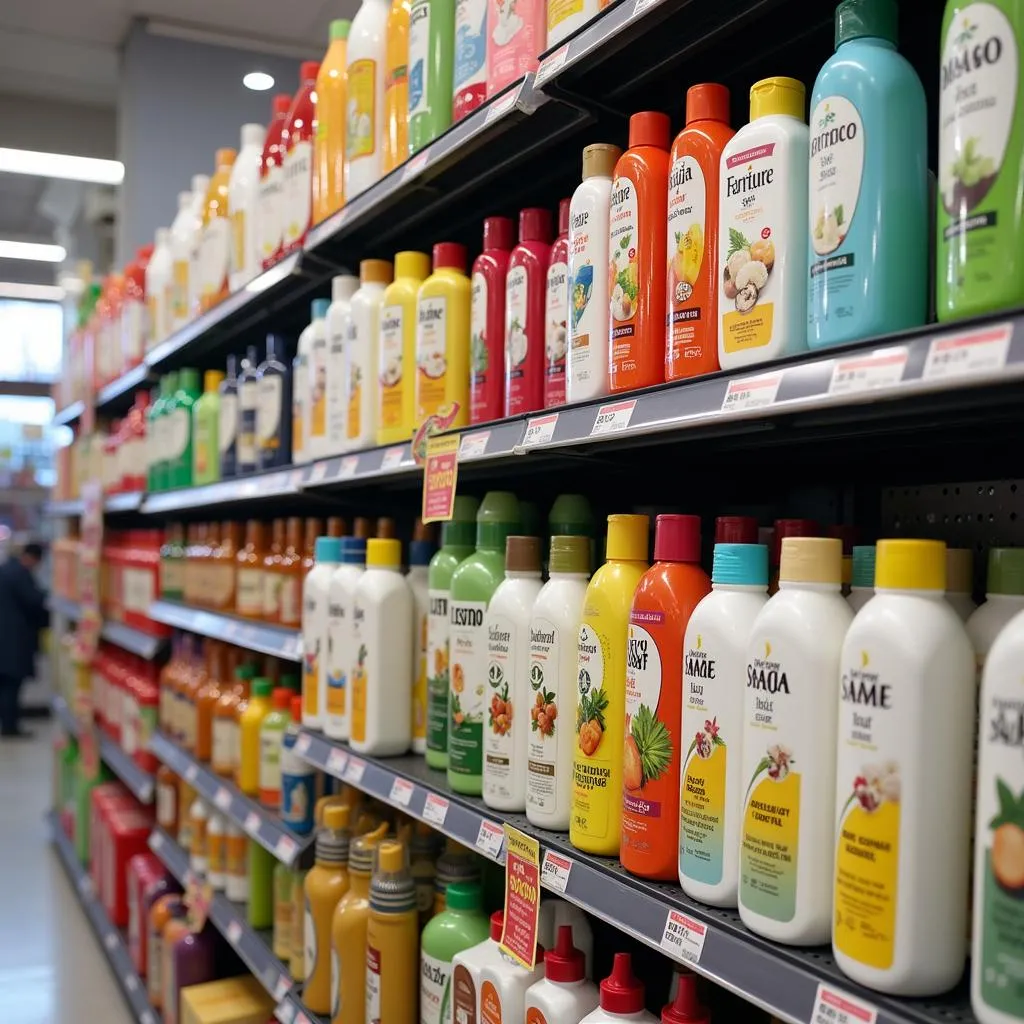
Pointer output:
x,y
243,200
361,349
903,780
862,580
960,581
587,366
420,554
184,236
364,119
200,187
503,987
326,558
1004,598
381,677
315,383
789,736
622,997
762,229
507,623
343,287
714,709
554,631
564,994
159,276
300,389
467,968
341,650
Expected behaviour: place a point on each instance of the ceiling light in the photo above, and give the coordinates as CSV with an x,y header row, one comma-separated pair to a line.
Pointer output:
x,y
258,81
61,165
32,292
39,251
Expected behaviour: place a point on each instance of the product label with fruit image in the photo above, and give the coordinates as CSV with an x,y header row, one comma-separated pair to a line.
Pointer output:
x,y
593,763
499,739
546,731
687,226
467,644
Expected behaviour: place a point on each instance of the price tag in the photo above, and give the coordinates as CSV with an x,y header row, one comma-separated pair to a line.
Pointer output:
x,y
522,896
348,467
472,446
490,838
551,63
613,417
501,106
234,933
336,761
148,1017
131,982
539,430
285,1013
282,988
252,823
751,392
435,809
156,841
318,472
402,791
110,941
85,887
354,770
295,480
440,474
222,798
555,871
302,744
393,457
642,5
969,353
191,773
683,937
415,165
881,369
833,1006
285,849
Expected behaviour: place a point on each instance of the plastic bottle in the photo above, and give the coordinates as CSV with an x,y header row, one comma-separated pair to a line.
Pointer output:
x,y
685,1006
636,256
596,820
516,36
362,349
467,967
298,778
421,551
525,293
622,997
247,455
158,289
960,581
249,577
198,816
787,839
396,86
249,728
442,337
341,650
185,236
781,529
179,429
364,125
691,345
1004,598
297,141
503,987
271,205
309,385
556,312
227,422
392,938
570,515
205,427
431,44
564,994
214,260
863,577
284,909
135,321
456,865
487,314
472,585
156,471
274,385
272,730
397,356
343,287
260,911
216,831
315,590
243,200
328,176
981,162
469,74
762,229
663,602
291,574
715,659
587,372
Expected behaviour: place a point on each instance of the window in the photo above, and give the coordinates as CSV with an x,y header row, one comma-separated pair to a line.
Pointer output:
x,y
31,340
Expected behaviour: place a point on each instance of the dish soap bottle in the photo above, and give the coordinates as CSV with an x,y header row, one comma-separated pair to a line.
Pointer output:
x,y
622,997
564,993
431,45
341,635
487,320
556,312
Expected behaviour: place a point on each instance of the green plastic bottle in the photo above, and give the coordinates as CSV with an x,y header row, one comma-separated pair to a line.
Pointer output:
x,y
161,471
261,886
460,926
154,468
272,730
457,538
473,583
431,59
206,431
572,516
178,429
980,237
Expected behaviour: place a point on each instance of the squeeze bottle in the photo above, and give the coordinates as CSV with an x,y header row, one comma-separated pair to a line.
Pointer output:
x,y
158,289
622,997
504,985
343,287
396,86
487,321
249,728
227,424
177,299
179,429
314,383
1004,598
205,425
189,271
328,177
272,730
469,74
421,551
297,141
215,247
556,311
364,124
563,994
327,558
270,222
273,420
243,199
685,1007
467,966
431,45
341,648
361,351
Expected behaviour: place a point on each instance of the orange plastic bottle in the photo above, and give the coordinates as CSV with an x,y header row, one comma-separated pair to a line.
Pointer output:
x,y
691,343
225,735
222,568
215,246
196,679
206,698
249,574
290,594
636,256
272,574
662,604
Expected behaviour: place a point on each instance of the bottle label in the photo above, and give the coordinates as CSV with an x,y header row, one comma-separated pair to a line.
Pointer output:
x,y
373,959
545,729
249,400
310,943
221,745
623,276
517,342
490,1003
361,122
534,1015
249,584
179,291
419,59
214,260
419,686
360,675
588,314
317,389
687,229
167,804
435,978
431,354
593,760
312,622
479,357
133,328
297,794
299,439
555,309
499,739
392,342
470,43
463,995
271,595
339,649
561,10
337,406
298,185
227,425
353,383
178,433
172,577
291,599
269,406
437,671
270,764
467,644
271,210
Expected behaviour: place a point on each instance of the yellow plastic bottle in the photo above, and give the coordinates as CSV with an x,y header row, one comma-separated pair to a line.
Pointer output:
x,y
326,883
215,244
329,126
249,727
442,338
348,933
396,87
296,958
397,351
596,821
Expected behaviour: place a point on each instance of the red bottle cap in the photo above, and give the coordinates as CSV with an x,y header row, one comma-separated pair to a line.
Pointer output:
x,y
450,254
677,538
296,706
649,128
534,224
281,104
281,698
497,923
849,535
499,233
563,216
144,253
308,71
686,1008
735,530
707,102
564,963
622,991
791,528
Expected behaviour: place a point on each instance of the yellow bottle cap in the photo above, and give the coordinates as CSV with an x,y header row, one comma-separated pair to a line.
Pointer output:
x,y
391,856
628,538
959,570
336,817
376,271
811,560
225,158
383,552
212,380
412,264
910,565
777,96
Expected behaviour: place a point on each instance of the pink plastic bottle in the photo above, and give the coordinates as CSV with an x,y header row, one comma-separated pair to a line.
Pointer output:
x,y
517,32
556,312
525,292
487,322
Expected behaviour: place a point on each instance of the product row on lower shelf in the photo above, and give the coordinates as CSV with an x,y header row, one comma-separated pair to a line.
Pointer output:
x,y
134,641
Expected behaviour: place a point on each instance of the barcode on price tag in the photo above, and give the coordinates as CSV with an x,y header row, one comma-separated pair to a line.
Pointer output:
x,y
751,392
963,355
191,772
472,446
252,823
551,63
302,744
435,809
392,457
683,937
285,849
415,165
336,760
554,872
348,467
489,838
234,932
354,770
540,429
881,369
222,798
318,472
613,417
402,791
833,1006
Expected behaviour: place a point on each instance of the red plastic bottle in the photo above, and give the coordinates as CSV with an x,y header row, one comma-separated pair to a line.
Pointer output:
x,y
134,313
297,145
269,222
487,322
556,312
525,292
686,1008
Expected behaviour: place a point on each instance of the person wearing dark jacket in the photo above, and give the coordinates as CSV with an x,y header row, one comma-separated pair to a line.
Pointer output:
x,y
22,615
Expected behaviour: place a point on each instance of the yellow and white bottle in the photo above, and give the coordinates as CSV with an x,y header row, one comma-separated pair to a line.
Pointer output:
x,y
361,358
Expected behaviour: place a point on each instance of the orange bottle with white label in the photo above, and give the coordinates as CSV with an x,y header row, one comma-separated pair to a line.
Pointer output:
x,y
329,126
215,246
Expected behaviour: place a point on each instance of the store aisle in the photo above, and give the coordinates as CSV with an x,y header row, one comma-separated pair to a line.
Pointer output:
x,y
53,971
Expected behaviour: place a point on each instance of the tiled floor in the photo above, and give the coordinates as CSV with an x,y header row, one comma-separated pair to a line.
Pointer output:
x,y
52,971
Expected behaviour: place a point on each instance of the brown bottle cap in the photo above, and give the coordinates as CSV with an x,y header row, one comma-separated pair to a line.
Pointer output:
x,y
378,271
422,530
522,554
314,529
599,160
293,531
337,527
278,532
386,529
362,528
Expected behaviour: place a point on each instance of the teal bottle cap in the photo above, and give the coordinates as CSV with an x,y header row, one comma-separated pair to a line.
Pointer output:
x,y
1005,571
318,308
740,565
460,530
497,517
464,896
327,549
571,515
858,19
863,573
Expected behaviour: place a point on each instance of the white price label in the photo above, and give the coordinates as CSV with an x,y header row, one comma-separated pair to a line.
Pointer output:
x,y
881,369
354,770
540,430
833,1006
285,849
969,353
148,1017
489,838
500,107
472,446
336,761
295,480
317,472
402,791
252,823
348,467
156,841
85,887
435,809
415,165
282,988
131,982
110,941
191,773
683,937
613,417
222,798
751,392
551,63
285,1013
393,457
234,932
302,744
554,872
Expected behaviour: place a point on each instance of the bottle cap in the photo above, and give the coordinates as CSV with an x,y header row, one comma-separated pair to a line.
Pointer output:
x,y
245,672
563,216
863,566
421,552
857,19
384,553
412,264
332,841
464,896
522,554
362,527
261,687
649,128
353,551
343,287
282,698
450,255
569,553
599,160
253,135
627,538
735,530
277,346
571,515
360,855
497,923
790,528
565,963
677,538
212,380
385,528
336,526
499,233
622,991
460,530
391,856
327,549
308,70
959,570
911,565
225,157
707,101
318,308
686,1008
740,565
339,29
529,519
534,224
811,560
1005,571
280,104
296,706
497,517
375,271
784,96
188,380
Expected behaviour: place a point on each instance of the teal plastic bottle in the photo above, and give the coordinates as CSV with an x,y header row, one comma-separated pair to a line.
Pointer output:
x,y
156,477
868,260
178,431
473,584
431,60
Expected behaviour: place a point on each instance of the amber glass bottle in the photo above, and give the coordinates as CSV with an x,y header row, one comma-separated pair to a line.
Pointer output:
x,y
272,574
291,575
206,698
249,577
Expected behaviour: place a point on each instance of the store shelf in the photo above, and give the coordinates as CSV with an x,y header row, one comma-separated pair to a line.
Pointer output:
x,y
134,641
253,636
259,487
63,606
69,414
111,941
125,501
119,395
261,824
783,981
55,509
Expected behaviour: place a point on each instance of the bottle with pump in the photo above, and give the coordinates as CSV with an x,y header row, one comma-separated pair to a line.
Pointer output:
x,y
691,343
315,590
159,279
556,312
273,421
862,587
215,246
341,650
270,221
1004,598
247,459
364,125
179,429
343,287
431,46
487,317
621,998
396,87
469,72
328,174
297,142
243,199
564,994
361,351
421,551
227,426
205,428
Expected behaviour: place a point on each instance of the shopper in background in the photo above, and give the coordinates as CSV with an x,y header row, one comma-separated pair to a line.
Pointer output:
x,y
22,615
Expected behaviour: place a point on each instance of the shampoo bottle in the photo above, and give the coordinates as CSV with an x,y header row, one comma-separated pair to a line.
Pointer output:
x,y
862,581
341,650
315,590
313,382
215,247
487,321
297,139
270,205
243,197
1004,598
396,86
556,311
328,175
227,429
248,408
343,287
431,44
364,124
469,87
361,352
273,413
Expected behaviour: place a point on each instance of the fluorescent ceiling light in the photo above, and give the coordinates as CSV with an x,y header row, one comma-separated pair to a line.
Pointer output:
x,y
36,292
38,251
61,165
258,81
